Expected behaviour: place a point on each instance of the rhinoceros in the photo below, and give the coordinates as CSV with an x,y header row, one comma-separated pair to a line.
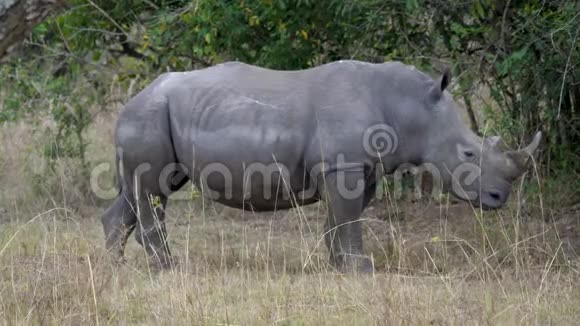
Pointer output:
x,y
261,139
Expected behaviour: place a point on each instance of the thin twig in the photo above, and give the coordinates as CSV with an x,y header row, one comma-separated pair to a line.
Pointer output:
x,y
565,73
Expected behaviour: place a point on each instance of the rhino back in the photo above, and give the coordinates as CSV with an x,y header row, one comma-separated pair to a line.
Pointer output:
x,y
259,113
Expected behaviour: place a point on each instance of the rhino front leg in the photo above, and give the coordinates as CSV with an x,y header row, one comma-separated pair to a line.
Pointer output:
x,y
344,192
151,232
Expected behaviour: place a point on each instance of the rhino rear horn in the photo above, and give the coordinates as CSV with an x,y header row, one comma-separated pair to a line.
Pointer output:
x,y
441,84
522,157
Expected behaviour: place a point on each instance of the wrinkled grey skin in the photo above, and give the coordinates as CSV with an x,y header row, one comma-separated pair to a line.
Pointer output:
x,y
236,114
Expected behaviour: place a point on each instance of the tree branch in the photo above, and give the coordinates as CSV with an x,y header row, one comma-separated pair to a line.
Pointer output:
x,y
19,17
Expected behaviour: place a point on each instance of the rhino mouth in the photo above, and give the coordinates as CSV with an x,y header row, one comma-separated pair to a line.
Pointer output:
x,y
490,200
490,208
486,200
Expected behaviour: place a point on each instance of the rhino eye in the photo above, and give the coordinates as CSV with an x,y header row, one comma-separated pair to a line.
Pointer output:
x,y
465,152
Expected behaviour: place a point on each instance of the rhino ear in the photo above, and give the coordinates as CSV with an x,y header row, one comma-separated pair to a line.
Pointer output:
x,y
441,84
522,157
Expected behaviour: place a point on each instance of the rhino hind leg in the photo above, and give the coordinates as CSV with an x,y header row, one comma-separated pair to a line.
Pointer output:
x,y
151,186
118,223
151,232
150,173
343,229
150,192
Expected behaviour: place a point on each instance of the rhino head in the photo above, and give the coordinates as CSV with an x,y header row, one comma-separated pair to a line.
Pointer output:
x,y
472,168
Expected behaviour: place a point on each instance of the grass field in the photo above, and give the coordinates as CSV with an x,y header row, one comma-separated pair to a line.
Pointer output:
x,y
437,263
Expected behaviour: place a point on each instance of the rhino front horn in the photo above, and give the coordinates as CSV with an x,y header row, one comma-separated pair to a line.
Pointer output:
x,y
522,157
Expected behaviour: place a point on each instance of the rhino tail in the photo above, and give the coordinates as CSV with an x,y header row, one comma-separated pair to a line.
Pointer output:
x,y
118,180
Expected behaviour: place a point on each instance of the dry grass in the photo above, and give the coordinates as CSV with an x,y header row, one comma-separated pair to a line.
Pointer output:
x,y
437,264
54,271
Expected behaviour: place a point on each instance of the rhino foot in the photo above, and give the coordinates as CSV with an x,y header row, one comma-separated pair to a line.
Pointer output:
x,y
168,263
352,263
119,261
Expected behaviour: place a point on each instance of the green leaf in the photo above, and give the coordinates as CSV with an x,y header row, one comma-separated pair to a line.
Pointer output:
x,y
412,5
96,55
